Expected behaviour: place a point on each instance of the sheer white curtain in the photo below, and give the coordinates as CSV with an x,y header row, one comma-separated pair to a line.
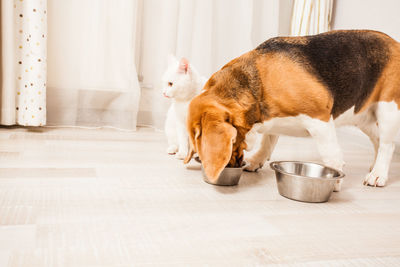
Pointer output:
x,y
209,33
94,48
23,62
92,78
311,17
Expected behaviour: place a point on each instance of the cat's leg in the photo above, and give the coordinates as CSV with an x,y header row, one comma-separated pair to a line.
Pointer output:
x,y
388,119
171,132
183,140
324,134
263,154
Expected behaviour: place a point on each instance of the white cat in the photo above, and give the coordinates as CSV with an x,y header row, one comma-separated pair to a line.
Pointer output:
x,y
181,83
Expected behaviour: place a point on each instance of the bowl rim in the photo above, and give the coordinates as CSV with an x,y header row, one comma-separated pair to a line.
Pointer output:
x,y
272,165
229,168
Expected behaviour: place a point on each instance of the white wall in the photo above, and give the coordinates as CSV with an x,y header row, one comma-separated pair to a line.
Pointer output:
x,y
285,16
368,14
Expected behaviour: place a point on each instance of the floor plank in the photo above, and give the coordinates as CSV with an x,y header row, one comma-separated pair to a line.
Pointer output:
x,y
78,197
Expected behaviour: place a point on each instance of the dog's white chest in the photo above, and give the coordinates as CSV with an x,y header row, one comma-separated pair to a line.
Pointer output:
x,y
293,126
297,125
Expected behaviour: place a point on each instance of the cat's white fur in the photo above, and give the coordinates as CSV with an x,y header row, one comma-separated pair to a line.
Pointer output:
x,y
181,82
380,122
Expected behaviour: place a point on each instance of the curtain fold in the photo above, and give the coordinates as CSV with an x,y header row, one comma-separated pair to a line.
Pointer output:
x,y
311,17
92,73
23,62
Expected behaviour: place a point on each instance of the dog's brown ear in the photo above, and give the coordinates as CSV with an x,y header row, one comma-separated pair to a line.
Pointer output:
x,y
193,139
189,156
217,140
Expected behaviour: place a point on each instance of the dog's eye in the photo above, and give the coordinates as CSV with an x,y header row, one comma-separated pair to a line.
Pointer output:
x,y
170,83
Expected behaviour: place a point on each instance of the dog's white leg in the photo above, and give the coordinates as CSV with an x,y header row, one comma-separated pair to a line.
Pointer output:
x,y
388,118
324,134
371,130
183,141
257,160
170,132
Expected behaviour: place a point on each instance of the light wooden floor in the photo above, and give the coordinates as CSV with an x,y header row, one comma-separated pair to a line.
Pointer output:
x,y
87,198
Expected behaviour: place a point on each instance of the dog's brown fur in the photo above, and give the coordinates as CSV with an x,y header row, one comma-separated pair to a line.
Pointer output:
x,y
280,79
387,87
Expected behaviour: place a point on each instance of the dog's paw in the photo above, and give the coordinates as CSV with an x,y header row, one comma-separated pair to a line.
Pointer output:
x,y
374,179
180,155
338,185
336,164
252,165
172,149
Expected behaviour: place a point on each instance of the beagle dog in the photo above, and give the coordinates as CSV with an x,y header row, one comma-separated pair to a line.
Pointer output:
x,y
300,86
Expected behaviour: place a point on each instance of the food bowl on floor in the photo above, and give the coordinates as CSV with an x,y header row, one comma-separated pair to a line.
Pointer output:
x,y
305,181
228,177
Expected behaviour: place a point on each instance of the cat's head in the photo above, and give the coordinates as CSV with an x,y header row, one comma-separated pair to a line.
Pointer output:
x,y
178,81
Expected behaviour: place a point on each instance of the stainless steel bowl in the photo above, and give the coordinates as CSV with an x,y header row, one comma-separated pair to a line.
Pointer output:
x,y
305,181
228,177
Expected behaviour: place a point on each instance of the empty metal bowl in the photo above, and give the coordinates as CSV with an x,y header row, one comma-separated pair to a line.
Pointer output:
x,y
305,181
228,177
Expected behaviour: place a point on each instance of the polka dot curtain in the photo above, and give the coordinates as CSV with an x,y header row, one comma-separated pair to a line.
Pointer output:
x,y
30,19
23,64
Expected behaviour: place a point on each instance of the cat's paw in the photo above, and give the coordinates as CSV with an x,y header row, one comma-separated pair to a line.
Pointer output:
x,y
180,155
374,179
172,149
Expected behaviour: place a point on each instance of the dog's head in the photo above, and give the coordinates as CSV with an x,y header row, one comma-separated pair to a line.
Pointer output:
x,y
213,136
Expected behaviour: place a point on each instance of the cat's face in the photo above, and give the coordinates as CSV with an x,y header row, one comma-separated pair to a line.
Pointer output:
x,y
177,80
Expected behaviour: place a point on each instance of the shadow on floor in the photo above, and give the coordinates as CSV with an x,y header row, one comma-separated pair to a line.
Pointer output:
x,y
32,129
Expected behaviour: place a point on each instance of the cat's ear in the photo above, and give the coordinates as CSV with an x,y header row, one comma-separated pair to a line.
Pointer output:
x,y
171,59
184,65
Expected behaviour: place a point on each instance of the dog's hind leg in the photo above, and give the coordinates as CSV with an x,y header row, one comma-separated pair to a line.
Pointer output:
x,y
263,154
324,134
388,119
372,131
